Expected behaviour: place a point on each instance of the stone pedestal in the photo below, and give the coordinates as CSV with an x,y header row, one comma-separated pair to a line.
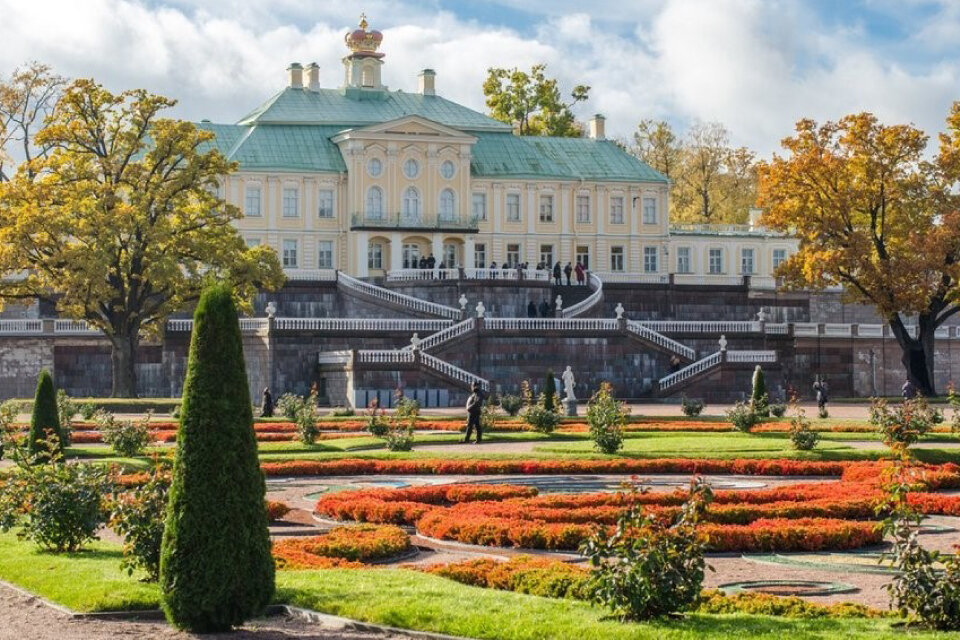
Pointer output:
x,y
571,407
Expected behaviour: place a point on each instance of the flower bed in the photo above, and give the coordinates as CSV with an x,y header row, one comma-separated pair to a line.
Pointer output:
x,y
276,510
342,547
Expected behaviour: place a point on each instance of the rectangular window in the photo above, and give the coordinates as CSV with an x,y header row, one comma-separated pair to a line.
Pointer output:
x,y
513,254
715,261
583,208
479,205
451,256
546,254
650,255
253,242
616,258
480,255
325,254
513,207
375,256
325,203
411,256
290,254
583,256
616,210
779,257
649,210
683,260
546,208
746,261
291,202
252,201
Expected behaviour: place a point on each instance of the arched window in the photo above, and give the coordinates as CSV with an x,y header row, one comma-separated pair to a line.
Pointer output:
x,y
366,76
374,203
411,205
448,205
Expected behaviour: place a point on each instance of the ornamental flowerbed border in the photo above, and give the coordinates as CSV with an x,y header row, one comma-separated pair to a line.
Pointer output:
x,y
342,547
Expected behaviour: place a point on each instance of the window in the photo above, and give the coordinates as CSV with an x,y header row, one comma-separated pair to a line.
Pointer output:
x,y
649,210
451,256
325,203
715,261
448,205
650,255
325,254
583,256
374,203
479,206
411,168
253,242
447,169
513,254
291,202
546,254
546,208
513,207
583,208
683,260
374,167
290,254
411,205
616,258
366,76
746,261
375,256
411,256
252,201
480,255
779,257
616,210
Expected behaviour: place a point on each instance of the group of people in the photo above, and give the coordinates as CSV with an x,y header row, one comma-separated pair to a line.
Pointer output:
x,y
544,310
568,271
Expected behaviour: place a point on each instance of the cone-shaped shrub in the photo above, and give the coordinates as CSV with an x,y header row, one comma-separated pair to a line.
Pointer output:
x,y
759,401
45,421
215,567
550,392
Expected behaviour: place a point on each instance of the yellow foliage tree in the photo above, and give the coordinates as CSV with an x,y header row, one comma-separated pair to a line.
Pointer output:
x,y
876,217
532,102
119,223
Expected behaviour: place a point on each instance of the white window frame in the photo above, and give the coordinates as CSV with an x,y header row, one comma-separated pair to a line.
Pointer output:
x,y
546,207
582,206
546,254
616,209
412,206
651,259
648,206
777,260
583,257
375,255
325,248
411,162
291,253
290,201
326,196
711,253
478,205
514,251
448,205
252,242
453,169
375,162
513,212
744,252
253,204
684,260
374,212
617,261
480,255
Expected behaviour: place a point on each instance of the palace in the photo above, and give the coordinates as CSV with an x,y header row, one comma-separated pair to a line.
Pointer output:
x,y
367,180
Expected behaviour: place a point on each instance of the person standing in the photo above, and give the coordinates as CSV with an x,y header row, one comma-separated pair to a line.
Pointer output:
x,y
266,405
580,273
567,271
544,309
820,388
532,309
474,410
557,274
909,390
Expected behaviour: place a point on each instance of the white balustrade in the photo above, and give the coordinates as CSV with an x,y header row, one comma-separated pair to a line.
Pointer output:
x,y
806,329
588,303
660,339
440,337
20,326
751,356
179,325
705,326
550,324
452,371
633,277
405,275
254,324
394,297
317,275
777,328
870,330
384,356
334,357
707,279
835,330
713,360
74,327
347,325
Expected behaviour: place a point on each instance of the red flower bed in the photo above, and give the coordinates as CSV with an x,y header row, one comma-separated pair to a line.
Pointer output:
x,y
341,547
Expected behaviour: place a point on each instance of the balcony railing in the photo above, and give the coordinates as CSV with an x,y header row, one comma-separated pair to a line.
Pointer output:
x,y
425,222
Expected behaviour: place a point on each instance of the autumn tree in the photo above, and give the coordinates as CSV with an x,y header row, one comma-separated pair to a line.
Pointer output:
x,y
119,223
27,97
873,215
531,102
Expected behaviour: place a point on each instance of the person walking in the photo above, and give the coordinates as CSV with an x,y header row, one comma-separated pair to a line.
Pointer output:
x,y
532,309
474,410
266,405
820,388
580,273
567,271
909,390
557,274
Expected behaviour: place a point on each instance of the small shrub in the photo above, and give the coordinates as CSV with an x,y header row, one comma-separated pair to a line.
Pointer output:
x,y
8,416
377,423
649,566
128,438
550,400
276,510
87,409
175,414
535,413
406,410
743,417
488,417
306,418
690,407
904,424
399,439
343,412
759,400
288,405
66,409
138,516
801,436
511,404
606,417
778,410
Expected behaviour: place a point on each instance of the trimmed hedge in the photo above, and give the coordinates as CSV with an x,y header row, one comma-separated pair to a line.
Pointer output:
x,y
45,419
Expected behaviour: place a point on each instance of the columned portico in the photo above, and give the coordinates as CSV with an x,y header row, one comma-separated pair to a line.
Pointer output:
x,y
362,239
469,253
436,247
396,252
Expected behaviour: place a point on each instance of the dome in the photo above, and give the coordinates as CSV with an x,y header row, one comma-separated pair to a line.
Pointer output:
x,y
361,40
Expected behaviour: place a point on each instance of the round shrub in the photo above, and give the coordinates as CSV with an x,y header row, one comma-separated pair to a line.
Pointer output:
x,y
606,417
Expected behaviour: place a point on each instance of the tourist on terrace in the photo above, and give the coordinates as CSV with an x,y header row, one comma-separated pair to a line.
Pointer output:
x,y
544,309
581,273
557,274
474,410
520,267
567,270
532,309
431,262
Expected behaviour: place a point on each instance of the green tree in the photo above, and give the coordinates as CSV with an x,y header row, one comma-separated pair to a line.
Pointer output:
x,y
759,401
531,102
119,222
45,419
215,566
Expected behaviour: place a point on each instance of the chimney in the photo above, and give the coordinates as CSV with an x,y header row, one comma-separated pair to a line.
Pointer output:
x,y
313,76
427,82
596,127
296,75
755,216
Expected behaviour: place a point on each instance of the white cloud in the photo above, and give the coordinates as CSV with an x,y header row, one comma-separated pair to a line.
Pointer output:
x,y
757,66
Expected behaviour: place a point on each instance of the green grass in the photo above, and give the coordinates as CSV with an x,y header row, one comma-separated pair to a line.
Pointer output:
x,y
92,581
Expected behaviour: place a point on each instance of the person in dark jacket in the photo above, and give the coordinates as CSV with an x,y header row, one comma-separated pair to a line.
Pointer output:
x,y
266,405
544,309
557,274
532,309
474,410
568,271
431,262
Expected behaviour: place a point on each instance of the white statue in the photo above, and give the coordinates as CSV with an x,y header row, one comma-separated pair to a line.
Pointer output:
x,y
463,302
559,302
415,342
761,315
619,311
568,383
480,309
723,342
271,309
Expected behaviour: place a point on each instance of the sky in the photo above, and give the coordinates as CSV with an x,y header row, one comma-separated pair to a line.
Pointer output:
x,y
756,66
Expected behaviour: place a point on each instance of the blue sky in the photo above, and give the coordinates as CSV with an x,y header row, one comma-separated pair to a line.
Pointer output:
x,y
755,65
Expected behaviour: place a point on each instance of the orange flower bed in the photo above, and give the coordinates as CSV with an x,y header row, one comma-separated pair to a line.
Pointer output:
x,y
276,510
342,547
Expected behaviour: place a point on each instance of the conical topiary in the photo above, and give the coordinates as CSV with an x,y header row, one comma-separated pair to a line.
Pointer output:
x,y
45,420
550,392
216,570
758,397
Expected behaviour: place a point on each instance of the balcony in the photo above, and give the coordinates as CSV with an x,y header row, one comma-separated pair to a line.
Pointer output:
x,y
407,222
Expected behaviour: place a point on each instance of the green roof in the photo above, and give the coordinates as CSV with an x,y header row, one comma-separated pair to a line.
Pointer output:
x,y
279,147
361,108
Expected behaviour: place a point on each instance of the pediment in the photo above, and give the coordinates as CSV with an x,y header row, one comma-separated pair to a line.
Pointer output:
x,y
408,127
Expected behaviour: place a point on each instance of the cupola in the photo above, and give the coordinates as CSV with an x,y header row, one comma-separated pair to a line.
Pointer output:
x,y
362,65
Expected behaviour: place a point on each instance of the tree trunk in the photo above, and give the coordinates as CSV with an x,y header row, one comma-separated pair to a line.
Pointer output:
x,y
917,353
123,358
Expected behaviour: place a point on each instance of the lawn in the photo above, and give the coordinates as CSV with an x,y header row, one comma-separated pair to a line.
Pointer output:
x,y
92,581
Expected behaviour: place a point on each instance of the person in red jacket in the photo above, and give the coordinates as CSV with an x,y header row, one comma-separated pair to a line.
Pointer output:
x,y
581,272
